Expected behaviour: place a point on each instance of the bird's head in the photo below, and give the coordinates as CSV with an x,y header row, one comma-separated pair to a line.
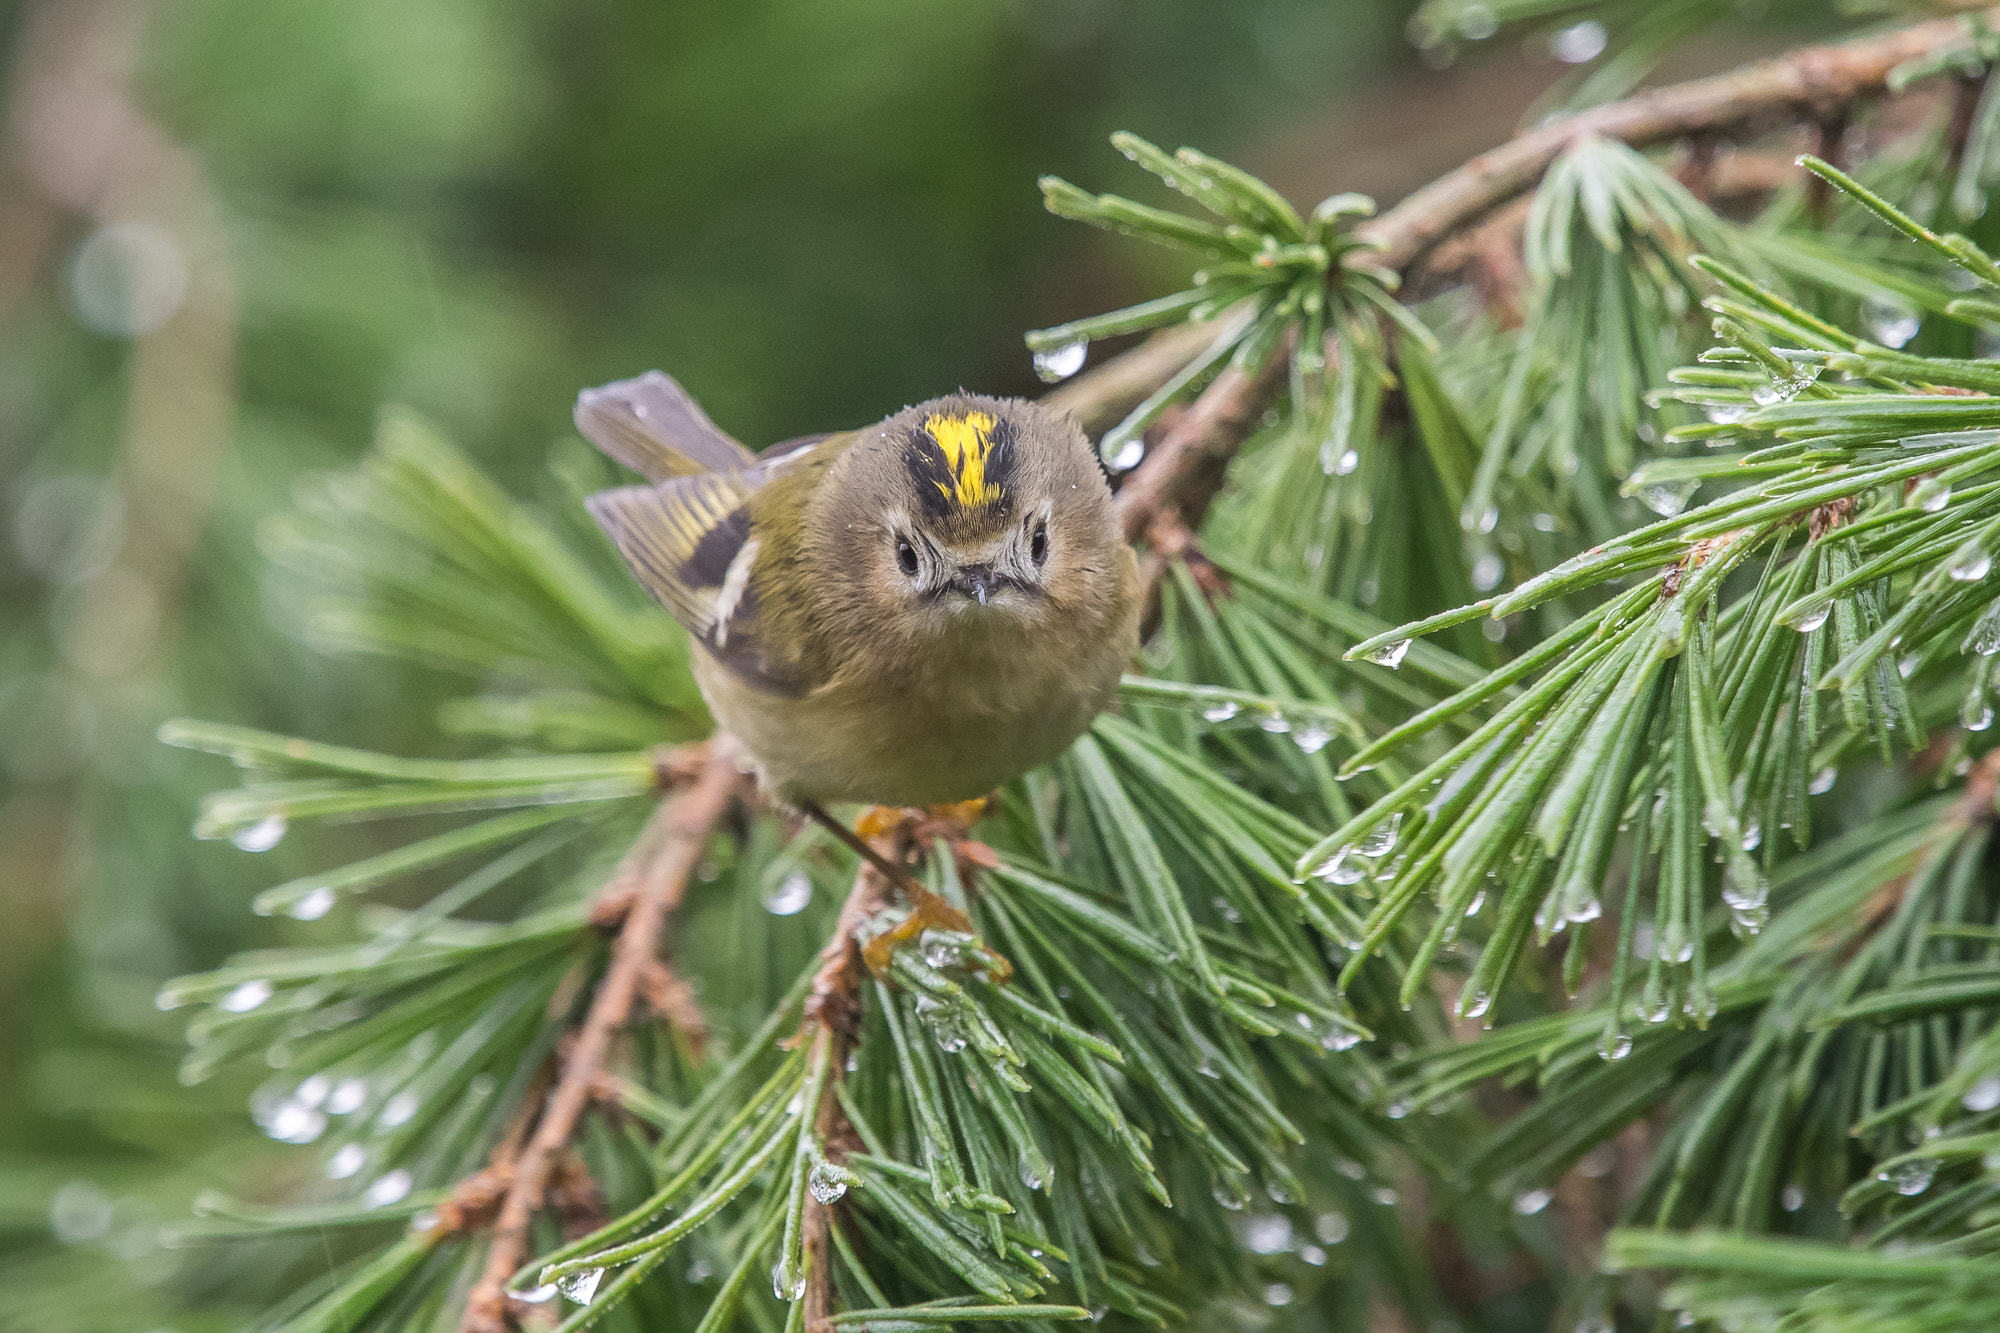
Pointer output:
x,y
971,516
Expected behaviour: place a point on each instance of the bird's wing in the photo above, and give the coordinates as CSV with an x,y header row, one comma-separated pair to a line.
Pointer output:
x,y
785,450
688,540
651,425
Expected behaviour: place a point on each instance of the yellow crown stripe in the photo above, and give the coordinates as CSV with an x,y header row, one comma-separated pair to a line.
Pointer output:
x,y
966,442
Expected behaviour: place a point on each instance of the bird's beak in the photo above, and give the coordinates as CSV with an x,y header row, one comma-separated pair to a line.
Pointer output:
x,y
978,581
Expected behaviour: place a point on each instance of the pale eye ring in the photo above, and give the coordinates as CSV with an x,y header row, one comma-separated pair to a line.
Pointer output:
x,y
906,557
1038,545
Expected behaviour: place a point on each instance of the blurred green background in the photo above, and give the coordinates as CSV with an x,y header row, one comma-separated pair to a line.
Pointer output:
x,y
230,231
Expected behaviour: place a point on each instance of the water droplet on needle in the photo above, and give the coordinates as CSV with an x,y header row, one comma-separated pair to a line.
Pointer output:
x,y
1058,363
261,836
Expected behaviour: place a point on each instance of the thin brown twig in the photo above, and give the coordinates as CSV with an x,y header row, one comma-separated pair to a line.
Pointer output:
x,y
834,1007
833,1015
831,1126
833,1002
656,872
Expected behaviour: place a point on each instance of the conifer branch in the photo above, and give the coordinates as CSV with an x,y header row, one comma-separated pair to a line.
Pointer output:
x,y
655,873
1182,470
1809,82
1172,1034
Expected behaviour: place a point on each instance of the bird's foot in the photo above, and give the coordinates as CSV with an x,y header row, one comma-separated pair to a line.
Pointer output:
x,y
927,910
952,820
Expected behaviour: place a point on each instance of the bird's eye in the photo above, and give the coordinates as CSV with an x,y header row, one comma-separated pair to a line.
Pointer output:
x,y
1038,545
906,556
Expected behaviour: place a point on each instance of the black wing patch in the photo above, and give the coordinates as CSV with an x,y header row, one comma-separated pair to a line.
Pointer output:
x,y
651,425
688,541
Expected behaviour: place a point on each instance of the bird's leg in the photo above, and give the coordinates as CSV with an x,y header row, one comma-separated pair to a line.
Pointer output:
x,y
927,910
952,822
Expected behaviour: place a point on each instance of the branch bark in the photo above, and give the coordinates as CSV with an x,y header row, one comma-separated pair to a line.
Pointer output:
x,y
655,873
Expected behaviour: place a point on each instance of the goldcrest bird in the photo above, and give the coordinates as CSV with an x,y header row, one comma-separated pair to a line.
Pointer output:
x,y
905,615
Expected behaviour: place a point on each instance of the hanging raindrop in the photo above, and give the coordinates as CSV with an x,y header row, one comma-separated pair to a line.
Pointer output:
x,y
293,1123
1580,43
348,1161
1667,499
1381,839
1268,1233
314,905
790,895
1390,654
580,1287
1529,1202
390,1187
1910,1177
1341,868
402,1108
1890,323
261,836
1931,495
1969,563
1312,738
247,997
1586,908
1976,713
1058,363
1744,889
347,1096
1983,1095
826,1182
1984,638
